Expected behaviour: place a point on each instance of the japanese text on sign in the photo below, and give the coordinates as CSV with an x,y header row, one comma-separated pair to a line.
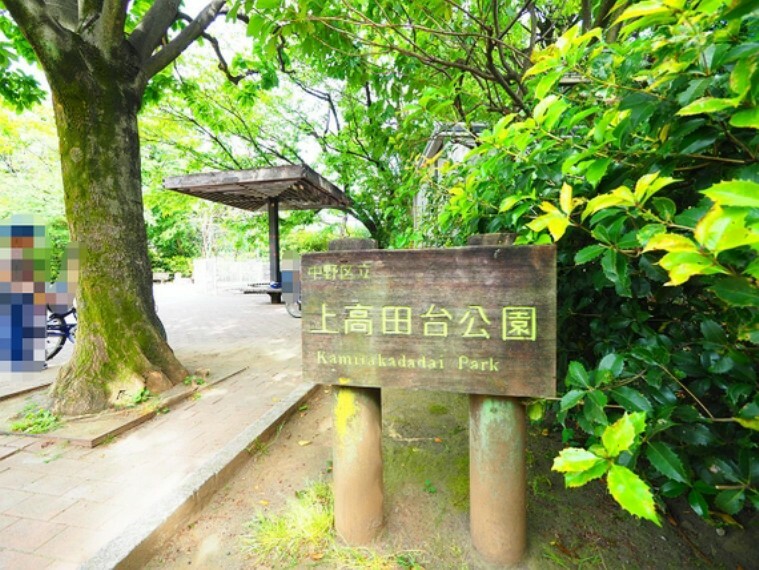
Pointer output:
x,y
517,323
338,272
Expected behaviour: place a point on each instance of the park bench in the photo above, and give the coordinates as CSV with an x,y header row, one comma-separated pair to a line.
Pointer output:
x,y
161,277
264,289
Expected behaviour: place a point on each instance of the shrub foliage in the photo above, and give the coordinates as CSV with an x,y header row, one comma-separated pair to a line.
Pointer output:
x,y
643,169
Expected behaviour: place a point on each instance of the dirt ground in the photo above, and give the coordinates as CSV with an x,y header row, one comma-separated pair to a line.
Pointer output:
x,y
426,502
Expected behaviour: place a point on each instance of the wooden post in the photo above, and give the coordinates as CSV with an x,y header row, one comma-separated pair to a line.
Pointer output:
x,y
497,478
497,471
275,275
357,452
357,464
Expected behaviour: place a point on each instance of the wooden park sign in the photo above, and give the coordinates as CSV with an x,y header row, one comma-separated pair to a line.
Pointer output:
x,y
476,320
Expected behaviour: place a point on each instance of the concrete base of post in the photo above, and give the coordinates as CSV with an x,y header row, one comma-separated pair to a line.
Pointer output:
x,y
498,478
357,464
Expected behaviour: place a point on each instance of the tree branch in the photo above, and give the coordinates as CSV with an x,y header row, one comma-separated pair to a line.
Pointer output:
x,y
223,65
148,34
109,28
33,17
189,34
586,14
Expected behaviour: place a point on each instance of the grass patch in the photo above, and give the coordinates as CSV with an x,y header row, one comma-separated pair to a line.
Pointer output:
x,y
304,533
36,419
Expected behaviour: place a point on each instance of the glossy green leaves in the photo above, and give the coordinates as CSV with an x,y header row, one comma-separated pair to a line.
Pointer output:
x,y
583,465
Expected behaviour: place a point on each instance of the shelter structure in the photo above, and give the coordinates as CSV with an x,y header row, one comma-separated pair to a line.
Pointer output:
x,y
289,187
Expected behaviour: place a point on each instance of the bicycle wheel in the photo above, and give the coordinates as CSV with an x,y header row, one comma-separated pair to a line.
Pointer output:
x,y
293,309
55,336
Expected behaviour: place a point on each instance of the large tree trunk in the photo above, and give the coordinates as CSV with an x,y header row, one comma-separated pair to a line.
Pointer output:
x,y
121,344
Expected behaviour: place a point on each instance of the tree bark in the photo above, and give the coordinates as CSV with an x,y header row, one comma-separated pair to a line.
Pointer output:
x,y
121,346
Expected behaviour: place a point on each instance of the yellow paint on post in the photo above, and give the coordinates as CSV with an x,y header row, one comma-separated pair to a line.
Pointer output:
x,y
345,411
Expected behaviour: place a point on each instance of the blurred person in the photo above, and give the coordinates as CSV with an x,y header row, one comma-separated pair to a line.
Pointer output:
x,y
25,292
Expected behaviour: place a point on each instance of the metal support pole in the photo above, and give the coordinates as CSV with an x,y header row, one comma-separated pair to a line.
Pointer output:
x,y
275,275
357,464
498,478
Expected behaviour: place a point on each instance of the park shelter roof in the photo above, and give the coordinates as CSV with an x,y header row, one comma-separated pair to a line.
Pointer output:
x,y
297,187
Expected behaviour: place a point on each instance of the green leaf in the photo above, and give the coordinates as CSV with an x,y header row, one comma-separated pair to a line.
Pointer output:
x,y
536,409
665,207
575,460
616,270
556,221
741,8
708,105
509,202
593,410
694,434
588,253
666,461
672,489
554,114
547,82
596,171
698,142
698,503
749,423
740,77
613,362
572,480
621,196
571,399
723,365
632,493
544,64
643,9
577,375
671,242
638,420
544,106
713,332
649,185
619,436
723,229
736,291
731,501
742,193
753,269
573,159
746,119
681,266
647,232
631,399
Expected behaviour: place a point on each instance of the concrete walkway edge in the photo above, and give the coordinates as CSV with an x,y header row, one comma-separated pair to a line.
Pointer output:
x,y
138,543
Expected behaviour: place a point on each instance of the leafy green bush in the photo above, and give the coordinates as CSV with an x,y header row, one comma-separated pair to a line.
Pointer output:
x,y
644,170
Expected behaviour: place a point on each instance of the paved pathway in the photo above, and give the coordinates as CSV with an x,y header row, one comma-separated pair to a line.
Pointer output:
x,y
59,504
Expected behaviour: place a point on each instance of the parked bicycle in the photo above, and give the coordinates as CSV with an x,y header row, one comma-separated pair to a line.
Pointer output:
x,y
59,330
294,307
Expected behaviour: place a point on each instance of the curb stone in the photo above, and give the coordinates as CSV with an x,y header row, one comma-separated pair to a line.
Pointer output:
x,y
137,544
